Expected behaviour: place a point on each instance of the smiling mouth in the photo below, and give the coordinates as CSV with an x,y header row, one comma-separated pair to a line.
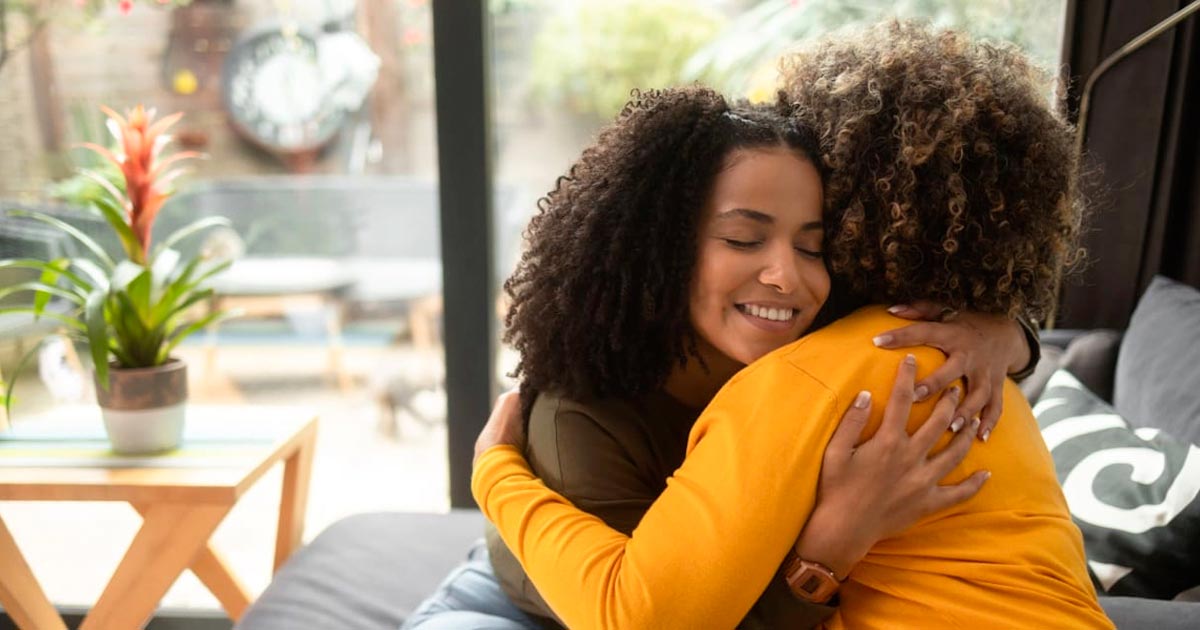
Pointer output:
x,y
769,314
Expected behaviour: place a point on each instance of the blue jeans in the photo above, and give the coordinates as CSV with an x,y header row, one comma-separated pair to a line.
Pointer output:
x,y
470,598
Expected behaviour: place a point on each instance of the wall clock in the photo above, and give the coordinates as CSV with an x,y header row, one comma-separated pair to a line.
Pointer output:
x,y
277,97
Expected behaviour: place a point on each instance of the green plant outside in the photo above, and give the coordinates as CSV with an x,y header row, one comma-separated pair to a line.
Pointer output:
x,y
742,59
589,55
79,189
588,59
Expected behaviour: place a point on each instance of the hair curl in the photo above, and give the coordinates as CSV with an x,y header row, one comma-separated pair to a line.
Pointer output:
x,y
950,177
599,300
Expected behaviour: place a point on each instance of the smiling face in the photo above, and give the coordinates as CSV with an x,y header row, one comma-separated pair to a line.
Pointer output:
x,y
760,275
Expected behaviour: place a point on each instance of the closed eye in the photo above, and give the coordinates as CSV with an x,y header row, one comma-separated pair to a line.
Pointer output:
x,y
810,253
736,244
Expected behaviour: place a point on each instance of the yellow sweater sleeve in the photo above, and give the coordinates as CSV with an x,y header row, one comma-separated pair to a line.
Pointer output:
x,y
706,549
697,559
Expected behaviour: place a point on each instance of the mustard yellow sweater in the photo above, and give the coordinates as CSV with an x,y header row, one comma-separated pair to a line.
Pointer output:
x,y
1007,558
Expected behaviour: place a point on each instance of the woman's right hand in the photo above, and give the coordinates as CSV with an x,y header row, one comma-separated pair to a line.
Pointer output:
x,y
877,489
505,425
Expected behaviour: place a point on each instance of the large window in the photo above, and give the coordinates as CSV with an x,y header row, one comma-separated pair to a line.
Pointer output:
x,y
563,68
317,118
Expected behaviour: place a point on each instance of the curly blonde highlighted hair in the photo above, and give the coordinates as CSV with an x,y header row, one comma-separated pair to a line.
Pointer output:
x,y
950,177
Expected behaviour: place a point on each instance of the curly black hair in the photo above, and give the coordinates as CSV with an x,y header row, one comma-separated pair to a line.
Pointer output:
x,y
950,176
599,300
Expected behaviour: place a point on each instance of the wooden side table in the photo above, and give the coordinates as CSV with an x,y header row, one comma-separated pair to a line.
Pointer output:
x,y
182,497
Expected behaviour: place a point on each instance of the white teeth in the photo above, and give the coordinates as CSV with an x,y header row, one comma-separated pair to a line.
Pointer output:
x,y
772,314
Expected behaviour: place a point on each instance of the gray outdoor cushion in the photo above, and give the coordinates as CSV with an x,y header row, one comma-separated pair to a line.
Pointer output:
x,y
365,572
1158,378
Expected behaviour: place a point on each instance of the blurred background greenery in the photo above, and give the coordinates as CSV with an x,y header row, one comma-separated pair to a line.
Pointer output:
x,y
588,55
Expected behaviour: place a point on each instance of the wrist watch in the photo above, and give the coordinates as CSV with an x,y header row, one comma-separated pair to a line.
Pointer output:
x,y
810,581
1030,330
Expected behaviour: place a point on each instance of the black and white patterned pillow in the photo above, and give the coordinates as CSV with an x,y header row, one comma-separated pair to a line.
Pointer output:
x,y
1133,493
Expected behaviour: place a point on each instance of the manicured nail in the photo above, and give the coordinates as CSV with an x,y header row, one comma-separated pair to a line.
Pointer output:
x,y
987,474
986,435
975,426
921,393
897,309
910,359
956,426
882,340
955,391
863,399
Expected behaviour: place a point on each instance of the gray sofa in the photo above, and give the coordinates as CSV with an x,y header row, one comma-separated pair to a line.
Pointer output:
x,y
369,571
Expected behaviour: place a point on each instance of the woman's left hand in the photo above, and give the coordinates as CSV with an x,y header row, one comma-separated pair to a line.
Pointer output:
x,y
981,348
504,426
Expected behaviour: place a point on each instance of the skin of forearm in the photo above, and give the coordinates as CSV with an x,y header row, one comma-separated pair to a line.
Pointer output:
x,y
832,539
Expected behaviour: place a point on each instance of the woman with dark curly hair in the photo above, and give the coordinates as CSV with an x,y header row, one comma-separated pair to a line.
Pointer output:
x,y
648,282
950,180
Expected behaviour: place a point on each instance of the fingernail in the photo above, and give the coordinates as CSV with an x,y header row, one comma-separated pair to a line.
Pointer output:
x,y
956,426
882,340
897,309
863,399
986,435
954,391
910,359
987,474
921,393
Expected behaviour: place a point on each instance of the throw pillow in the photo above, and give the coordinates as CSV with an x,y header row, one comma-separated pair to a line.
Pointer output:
x,y
1132,492
1157,376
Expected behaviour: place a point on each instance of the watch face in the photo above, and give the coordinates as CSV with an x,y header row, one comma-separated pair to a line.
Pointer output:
x,y
275,94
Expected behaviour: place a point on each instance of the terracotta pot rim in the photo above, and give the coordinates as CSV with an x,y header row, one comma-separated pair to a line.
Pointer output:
x,y
131,389
172,363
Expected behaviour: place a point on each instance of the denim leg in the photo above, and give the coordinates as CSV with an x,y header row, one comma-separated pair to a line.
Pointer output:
x,y
470,598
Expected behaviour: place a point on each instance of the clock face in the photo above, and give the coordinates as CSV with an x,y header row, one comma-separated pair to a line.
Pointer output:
x,y
275,94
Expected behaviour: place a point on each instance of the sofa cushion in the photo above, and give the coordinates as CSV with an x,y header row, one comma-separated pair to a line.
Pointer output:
x,y
1133,493
1135,613
1034,384
365,572
1092,358
1157,381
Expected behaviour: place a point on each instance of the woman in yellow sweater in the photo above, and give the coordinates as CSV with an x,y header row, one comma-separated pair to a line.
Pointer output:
x,y
611,418
969,201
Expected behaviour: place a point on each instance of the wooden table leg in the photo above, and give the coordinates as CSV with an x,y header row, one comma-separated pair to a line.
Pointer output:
x,y
168,541
221,582
297,470
216,575
20,594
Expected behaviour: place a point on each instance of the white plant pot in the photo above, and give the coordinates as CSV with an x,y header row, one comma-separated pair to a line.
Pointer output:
x,y
146,431
144,408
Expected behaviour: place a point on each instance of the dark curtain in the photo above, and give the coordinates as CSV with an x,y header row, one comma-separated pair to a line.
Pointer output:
x,y
1142,142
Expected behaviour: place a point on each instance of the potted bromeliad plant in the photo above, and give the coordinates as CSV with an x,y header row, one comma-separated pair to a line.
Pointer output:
x,y
131,311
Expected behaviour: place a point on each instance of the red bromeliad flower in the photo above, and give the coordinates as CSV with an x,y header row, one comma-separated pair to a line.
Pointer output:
x,y
146,176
